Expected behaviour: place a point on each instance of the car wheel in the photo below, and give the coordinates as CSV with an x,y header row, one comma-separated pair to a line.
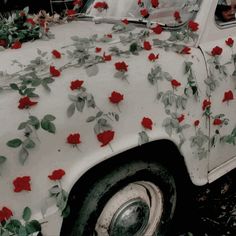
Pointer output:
x,y
135,199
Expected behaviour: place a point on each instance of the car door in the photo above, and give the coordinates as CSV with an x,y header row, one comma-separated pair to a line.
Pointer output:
x,y
219,49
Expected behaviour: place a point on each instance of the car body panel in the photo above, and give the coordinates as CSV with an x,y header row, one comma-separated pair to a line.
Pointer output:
x,y
140,100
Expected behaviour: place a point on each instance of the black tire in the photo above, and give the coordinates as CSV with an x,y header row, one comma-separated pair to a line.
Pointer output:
x,y
107,186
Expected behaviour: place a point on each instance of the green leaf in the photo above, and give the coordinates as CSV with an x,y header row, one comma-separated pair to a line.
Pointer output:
x,y
14,86
143,138
117,117
92,70
45,86
45,124
2,159
99,114
26,10
133,47
22,231
23,156
34,121
29,91
33,226
90,119
14,143
36,82
80,105
6,233
54,190
90,101
75,38
66,212
49,117
13,225
51,128
71,110
168,129
62,198
22,125
26,214
28,143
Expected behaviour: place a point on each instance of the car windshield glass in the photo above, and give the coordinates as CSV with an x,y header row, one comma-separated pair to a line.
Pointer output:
x,y
166,12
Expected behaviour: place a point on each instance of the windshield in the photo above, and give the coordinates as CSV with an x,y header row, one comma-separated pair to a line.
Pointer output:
x,y
166,12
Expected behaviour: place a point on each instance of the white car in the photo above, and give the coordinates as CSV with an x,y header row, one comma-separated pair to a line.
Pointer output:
x,y
103,126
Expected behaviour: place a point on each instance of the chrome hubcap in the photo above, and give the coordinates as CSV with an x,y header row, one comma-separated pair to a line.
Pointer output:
x,y
135,210
131,219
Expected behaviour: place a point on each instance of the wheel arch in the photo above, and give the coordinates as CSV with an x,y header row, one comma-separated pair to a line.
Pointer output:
x,y
172,159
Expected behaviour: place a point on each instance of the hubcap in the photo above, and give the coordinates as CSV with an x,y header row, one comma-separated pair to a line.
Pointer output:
x,y
131,219
135,210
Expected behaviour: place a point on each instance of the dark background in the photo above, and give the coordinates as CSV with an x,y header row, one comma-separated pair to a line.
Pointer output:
x,y
212,211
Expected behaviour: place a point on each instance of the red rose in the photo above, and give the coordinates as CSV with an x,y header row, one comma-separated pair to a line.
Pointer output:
x,y
70,12
22,13
154,3
105,137
125,21
5,214
216,51
121,66
74,139
109,36
57,174
116,97
78,2
147,123
196,123
56,54
193,26
16,45
175,83
228,96
54,72
2,217
76,84
30,21
157,29
144,13
25,103
185,50
180,118
106,57
153,57
206,104
42,23
217,121
147,45
139,2
22,183
97,50
101,5
3,43
177,16
229,42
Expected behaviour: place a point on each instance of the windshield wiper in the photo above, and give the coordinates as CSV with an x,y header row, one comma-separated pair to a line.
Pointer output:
x,y
111,20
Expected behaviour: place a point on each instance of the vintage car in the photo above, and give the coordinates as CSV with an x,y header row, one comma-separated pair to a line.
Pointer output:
x,y
105,127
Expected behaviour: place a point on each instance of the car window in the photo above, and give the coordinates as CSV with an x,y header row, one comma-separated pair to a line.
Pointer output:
x,y
225,14
166,12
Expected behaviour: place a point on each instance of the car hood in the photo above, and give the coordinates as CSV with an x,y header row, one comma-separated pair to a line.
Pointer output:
x,y
52,151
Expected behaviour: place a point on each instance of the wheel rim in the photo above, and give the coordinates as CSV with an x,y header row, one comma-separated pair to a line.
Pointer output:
x,y
135,210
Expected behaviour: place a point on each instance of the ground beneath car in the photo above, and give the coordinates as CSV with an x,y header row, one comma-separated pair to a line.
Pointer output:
x,y
213,211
